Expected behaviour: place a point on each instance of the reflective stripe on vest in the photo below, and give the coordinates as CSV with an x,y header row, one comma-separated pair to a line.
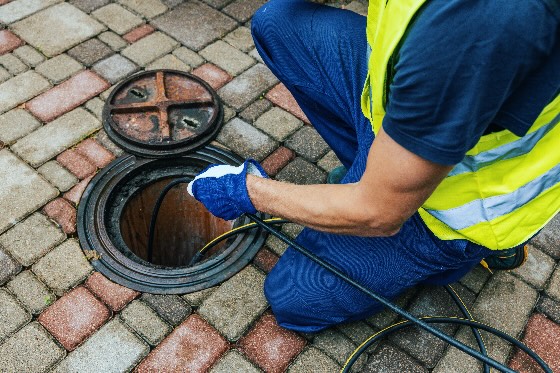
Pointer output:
x,y
506,188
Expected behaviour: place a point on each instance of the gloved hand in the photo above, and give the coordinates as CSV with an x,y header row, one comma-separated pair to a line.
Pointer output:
x,y
223,189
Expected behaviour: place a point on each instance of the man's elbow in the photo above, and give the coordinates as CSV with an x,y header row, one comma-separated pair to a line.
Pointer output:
x,y
383,226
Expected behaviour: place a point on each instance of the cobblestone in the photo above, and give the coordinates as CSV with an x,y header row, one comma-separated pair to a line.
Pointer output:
x,y
300,171
213,75
279,124
189,57
149,48
277,160
329,162
145,322
246,140
537,269
280,96
20,89
265,260
138,33
111,349
170,307
236,303
107,143
13,64
13,315
15,124
308,143
548,240
553,288
89,5
117,18
195,299
169,61
147,8
248,86
194,24
233,361
4,75
390,359
550,308
30,350
59,68
218,4
23,190
74,317
64,267
62,212
242,10
227,57
31,292
357,331
50,140
114,41
255,110
75,194
76,163
16,10
29,55
95,153
313,360
112,294
336,346
475,279
115,68
56,29
8,267
95,106
90,51
241,39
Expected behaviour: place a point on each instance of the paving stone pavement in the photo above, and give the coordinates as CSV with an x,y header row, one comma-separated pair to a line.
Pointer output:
x,y
59,60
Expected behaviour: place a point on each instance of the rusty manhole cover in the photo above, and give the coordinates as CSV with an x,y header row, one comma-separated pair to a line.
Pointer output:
x,y
162,113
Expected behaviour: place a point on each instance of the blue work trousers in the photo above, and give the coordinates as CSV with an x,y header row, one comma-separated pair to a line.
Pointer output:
x,y
319,53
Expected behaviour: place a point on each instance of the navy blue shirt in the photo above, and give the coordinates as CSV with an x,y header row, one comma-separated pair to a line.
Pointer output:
x,y
470,67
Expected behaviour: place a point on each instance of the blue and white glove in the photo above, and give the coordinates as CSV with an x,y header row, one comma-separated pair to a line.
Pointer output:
x,y
223,189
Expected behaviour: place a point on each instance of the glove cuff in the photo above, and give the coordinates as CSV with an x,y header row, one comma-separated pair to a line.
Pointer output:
x,y
251,167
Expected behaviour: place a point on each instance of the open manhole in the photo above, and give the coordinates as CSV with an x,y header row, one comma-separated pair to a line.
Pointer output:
x,y
154,112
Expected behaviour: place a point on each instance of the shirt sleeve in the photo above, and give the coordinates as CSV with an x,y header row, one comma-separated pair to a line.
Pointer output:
x,y
458,65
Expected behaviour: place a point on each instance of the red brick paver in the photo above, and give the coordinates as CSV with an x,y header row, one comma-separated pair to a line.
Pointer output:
x,y
3,2
96,152
67,96
76,163
114,295
280,96
194,346
270,346
278,160
138,33
213,75
8,41
543,336
265,259
61,211
74,194
74,317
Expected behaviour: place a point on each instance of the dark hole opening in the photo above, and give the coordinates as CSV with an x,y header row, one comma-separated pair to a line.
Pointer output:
x,y
183,226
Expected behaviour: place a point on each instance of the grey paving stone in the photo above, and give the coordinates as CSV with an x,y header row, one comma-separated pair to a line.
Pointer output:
x,y
390,359
278,123
171,307
147,8
255,54
248,86
145,322
58,175
337,346
169,61
64,267
16,123
31,292
241,39
357,7
13,64
308,143
4,75
255,110
195,299
30,350
276,245
236,304
421,345
291,229
29,55
113,348
548,240
233,361
246,140
95,106
300,171
102,137
329,161
53,138
313,360
13,315
386,317
113,40
553,288
357,331
59,68
117,18
23,190
56,29
90,51
537,269
115,68
195,24
505,303
189,57
172,3
242,10
149,48
227,57
8,267
16,10
229,113
475,279
31,239
550,308
20,89
218,4
89,5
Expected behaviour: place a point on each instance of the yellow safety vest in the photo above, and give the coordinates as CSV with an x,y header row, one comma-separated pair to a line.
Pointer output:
x,y
506,188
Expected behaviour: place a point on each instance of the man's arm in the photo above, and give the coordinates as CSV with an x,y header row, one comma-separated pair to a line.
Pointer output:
x,y
395,184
